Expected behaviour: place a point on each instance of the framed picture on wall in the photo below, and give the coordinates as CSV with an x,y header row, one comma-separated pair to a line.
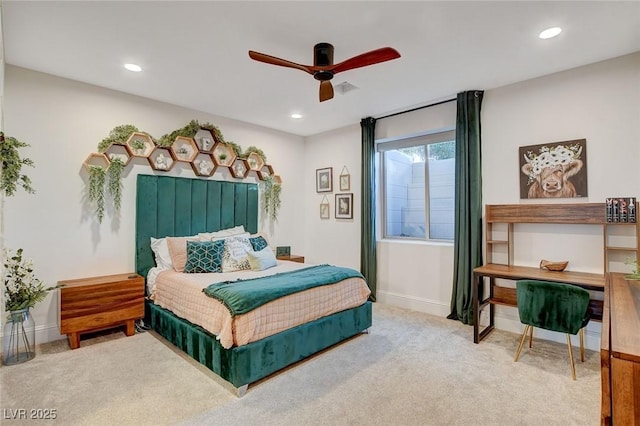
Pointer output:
x,y
324,209
345,182
554,170
344,206
324,180
345,179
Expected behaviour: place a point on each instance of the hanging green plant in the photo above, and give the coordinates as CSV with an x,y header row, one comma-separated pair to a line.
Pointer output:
x,y
115,181
271,199
118,134
97,178
257,150
12,178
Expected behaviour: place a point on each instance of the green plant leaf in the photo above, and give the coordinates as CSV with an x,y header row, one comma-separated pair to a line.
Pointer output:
x,y
12,177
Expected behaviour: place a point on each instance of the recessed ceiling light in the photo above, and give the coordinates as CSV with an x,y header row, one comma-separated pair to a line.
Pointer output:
x,y
550,32
296,116
133,67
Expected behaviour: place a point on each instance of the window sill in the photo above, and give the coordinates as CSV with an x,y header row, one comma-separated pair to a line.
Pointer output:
x,y
435,243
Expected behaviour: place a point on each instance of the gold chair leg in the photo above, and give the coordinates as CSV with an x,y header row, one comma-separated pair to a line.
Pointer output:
x,y
524,336
582,344
573,367
530,336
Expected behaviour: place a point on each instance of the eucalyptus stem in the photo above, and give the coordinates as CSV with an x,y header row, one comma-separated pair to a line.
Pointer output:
x,y
115,181
272,191
97,178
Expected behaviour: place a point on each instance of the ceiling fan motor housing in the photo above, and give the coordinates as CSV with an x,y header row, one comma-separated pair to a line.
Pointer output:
x,y
323,57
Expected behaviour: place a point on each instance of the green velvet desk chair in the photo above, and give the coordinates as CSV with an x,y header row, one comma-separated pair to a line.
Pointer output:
x,y
553,306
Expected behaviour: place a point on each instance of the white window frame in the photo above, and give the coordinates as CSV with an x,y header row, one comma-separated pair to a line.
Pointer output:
x,y
390,144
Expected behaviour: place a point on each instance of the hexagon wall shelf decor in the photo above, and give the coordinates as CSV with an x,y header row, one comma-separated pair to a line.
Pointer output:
x,y
161,159
140,144
203,165
184,149
116,150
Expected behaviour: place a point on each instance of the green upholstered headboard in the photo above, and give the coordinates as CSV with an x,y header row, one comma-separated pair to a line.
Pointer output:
x,y
172,206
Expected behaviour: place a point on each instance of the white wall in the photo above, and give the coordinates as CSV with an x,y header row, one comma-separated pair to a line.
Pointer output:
x,y
416,274
335,241
599,102
64,120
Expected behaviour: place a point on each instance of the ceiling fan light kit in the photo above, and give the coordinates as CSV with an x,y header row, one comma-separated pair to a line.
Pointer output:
x,y
323,68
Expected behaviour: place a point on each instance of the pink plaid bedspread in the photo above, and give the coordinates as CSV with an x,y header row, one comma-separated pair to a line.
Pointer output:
x,y
182,294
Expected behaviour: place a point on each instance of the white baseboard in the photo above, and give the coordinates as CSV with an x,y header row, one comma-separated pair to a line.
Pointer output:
x,y
413,303
591,333
45,333
506,318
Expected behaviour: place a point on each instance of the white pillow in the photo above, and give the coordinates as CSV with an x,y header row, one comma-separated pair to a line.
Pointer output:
x,y
161,253
235,255
263,259
229,232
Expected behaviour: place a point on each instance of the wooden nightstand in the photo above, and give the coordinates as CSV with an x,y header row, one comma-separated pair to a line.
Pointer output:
x,y
292,258
97,303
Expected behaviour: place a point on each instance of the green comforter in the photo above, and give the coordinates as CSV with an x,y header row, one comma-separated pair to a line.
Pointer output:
x,y
243,296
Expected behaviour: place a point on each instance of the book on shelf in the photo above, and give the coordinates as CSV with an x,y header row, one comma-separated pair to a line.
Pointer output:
x,y
621,210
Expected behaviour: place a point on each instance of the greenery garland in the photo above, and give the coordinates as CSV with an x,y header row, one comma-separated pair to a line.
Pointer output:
x,y
189,131
119,134
257,150
271,192
97,177
112,177
236,148
12,166
115,181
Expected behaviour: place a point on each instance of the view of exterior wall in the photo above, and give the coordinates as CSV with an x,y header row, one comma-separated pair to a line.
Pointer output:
x,y
441,195
405,197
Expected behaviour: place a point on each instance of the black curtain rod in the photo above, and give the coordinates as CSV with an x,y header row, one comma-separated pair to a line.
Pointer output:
x,y
415,109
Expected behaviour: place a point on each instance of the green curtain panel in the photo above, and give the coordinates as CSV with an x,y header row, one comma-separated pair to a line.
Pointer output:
x,y
468,204
368,263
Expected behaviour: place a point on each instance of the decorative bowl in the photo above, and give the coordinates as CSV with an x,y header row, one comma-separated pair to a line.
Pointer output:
x,y
553,266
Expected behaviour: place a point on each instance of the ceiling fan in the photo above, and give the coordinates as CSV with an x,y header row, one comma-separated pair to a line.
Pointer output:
x,y
323,68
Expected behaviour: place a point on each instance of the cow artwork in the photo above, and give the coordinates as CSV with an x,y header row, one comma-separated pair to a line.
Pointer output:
x,y
557,170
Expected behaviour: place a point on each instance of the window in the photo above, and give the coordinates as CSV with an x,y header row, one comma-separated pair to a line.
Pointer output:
x,y
418,184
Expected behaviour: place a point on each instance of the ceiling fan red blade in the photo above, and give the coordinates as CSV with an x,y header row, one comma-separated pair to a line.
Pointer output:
x,y
268,59
326,90
369,58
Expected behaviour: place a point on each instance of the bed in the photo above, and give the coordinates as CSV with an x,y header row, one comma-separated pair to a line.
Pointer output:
x,y
172,206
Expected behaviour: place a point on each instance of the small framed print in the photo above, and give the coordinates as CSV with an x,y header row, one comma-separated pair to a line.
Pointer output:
x,y
324,210
345,179
345,182
324,180
344,206
283,251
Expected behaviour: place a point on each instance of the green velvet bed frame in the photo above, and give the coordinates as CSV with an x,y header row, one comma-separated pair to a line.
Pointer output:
x,y
171,206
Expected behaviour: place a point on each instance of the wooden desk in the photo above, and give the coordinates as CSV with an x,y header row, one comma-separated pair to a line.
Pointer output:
x,y
620,353
507,296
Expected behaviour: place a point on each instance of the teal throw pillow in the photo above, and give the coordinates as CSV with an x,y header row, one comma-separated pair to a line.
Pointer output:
x,y
258,243
204,256
261,260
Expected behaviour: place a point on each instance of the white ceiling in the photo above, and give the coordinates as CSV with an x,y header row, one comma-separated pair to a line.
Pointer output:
x,y
194,54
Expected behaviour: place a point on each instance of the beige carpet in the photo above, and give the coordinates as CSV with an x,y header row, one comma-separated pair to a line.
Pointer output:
x,y
412,369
